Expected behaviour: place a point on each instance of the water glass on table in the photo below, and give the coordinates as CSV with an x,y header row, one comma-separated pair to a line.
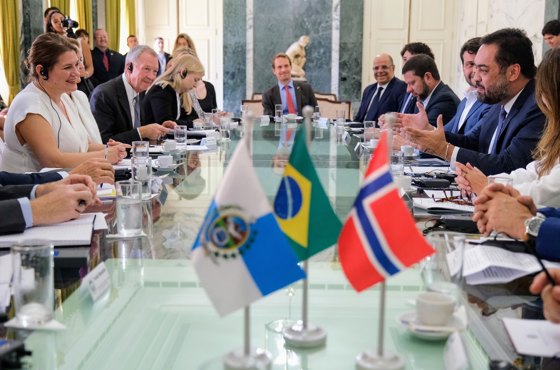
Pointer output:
x,y
397,163
500,179
370,132
341,116
129,208
278,113
140,149
180,134
33,281
142,172
225,129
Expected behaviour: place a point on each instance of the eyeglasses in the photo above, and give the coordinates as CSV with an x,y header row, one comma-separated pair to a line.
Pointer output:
x,y
456,199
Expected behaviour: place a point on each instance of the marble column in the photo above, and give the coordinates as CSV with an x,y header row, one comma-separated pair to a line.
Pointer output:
x,y
31,27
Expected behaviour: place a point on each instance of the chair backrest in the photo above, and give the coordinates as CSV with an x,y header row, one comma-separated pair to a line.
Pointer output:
x,y
328,108
256,96
255,106
328,96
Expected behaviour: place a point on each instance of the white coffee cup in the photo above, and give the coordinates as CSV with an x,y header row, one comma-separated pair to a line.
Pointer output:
x,y
407,150
165,161
169,145
434,308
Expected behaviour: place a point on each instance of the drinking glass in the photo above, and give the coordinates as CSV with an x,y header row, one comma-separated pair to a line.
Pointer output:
x,y
180,134
442,272
316,115
129,208
369,130
341,116
142,172
278,113
397,163
225,129
503,179
33,284
141,149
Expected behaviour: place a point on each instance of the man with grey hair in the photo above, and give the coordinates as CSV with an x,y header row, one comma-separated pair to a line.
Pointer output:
x,y
116,103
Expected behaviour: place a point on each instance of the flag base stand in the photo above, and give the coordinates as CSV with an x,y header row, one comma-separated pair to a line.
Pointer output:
x,y
370,360
298,336
256,359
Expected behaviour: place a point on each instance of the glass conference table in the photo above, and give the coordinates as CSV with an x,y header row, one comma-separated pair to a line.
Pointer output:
x,y
157,316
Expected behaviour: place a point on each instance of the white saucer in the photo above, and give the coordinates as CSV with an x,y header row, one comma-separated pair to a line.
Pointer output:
x,y
164,169
409,321
51,325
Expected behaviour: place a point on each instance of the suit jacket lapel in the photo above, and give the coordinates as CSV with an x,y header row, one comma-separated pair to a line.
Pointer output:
x,y
299,98
123,102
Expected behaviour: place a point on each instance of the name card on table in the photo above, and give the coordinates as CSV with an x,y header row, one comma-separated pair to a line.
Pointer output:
x,y
98,281
455,354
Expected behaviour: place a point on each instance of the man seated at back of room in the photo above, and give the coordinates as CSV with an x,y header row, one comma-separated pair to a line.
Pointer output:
x,y
293,95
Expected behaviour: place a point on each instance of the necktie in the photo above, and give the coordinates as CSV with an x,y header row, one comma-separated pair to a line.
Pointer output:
x,y
409,104
106,61
498,131
373,105
136,102
289,101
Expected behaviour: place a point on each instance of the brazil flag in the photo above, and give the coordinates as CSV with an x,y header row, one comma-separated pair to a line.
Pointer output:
x,y
301,206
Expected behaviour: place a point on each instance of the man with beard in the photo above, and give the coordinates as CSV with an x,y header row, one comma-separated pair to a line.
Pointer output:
x,y
505,138
384,96
116,103
422,78
470,110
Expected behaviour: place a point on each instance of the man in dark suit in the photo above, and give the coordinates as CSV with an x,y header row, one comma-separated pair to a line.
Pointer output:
x,y
30,205
422,78
470,110
116,103
408,104
163,57
293,95
507,135
384,96
107,63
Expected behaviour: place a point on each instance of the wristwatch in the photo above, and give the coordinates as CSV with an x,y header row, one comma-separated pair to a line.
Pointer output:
x,y
532,226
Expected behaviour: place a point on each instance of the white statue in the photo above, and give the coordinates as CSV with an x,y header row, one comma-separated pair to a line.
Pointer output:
x,y
296,52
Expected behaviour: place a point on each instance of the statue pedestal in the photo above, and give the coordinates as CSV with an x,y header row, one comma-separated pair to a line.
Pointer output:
x,y
297,78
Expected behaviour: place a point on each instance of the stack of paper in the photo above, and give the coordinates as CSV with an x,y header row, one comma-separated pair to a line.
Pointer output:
x,y
75,232
441,207
493,265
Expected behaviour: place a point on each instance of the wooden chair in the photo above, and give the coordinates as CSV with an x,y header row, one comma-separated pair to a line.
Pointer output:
x,y
255,106
328,108
328,96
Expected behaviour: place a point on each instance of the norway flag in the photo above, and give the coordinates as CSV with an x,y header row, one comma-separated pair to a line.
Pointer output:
x,y
379,237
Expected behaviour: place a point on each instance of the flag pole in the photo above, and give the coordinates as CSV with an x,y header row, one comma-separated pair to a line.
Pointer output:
x,y
247,331
302,334
247,358
381,333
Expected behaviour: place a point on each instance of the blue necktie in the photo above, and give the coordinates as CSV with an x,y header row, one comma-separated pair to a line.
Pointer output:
x,y
373,105
499,128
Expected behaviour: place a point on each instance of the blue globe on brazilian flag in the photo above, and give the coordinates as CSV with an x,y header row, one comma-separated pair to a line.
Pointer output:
x,y
301,205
